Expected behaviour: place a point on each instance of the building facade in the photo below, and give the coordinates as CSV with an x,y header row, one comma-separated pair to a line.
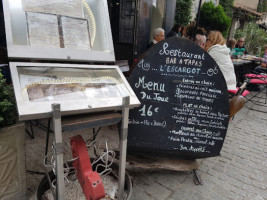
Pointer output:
x,y
243,9
133,21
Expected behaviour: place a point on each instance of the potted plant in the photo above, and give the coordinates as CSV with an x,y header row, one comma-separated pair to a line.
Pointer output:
x,y
12,146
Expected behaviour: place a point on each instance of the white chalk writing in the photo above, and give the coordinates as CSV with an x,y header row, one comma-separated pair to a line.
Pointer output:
x,y
150,85
179,53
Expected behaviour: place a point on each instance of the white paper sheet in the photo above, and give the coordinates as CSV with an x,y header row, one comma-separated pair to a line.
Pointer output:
x,y
43,30
72,8
75,33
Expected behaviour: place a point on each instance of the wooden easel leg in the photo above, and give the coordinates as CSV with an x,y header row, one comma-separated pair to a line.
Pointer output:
x,y
197,179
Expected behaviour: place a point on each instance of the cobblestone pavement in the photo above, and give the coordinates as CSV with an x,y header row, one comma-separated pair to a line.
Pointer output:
x,y
240,173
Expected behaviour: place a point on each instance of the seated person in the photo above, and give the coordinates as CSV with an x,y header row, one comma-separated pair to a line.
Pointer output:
x,y
158,35
263,67
240,44
191,32
175,32
216,47
231,45
200,40
183,32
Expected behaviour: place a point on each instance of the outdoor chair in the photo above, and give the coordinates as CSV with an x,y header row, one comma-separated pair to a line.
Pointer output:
x,y
258,98
237,100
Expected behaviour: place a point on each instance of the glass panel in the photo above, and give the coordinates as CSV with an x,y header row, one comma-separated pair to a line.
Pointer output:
x,y
41,84
75,24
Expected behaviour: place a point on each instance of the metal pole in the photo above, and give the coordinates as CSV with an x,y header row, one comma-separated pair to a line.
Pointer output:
x,y
60,190
197,20
123,145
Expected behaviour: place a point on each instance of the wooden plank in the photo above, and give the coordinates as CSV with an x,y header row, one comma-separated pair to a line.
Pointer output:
x,y
79,122
161,163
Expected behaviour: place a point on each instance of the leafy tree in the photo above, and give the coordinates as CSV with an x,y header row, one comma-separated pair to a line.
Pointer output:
x,y
228,7
255,37
7,104
262,7
214,18
183,12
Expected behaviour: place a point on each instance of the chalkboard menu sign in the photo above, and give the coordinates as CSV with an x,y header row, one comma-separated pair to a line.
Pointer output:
x,y
184,109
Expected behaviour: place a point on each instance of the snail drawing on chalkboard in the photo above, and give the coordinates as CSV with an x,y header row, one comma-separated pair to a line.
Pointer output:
x,y
211,71
144,66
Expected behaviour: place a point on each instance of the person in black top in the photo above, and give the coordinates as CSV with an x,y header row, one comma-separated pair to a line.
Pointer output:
x,y
176,31
240,44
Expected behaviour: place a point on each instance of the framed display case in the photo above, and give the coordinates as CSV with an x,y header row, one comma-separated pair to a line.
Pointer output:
x,y
78,88
73,30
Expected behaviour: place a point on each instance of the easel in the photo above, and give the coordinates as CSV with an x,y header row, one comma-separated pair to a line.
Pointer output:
x,y
56,117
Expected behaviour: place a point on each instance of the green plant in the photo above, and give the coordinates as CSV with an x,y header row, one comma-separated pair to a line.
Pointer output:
x,y
262,7
7,104
255,37
214,18
183,12
228,7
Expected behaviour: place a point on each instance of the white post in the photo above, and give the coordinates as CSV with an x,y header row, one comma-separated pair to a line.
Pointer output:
x,y
123,145
60,189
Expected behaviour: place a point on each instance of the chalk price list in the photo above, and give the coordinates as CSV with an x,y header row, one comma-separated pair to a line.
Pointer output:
x,y
181,95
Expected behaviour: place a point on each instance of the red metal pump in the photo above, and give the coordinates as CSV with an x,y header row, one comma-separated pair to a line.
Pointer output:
x,y
89,180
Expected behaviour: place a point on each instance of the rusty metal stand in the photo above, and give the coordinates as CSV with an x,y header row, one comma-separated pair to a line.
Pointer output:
x,y
89,123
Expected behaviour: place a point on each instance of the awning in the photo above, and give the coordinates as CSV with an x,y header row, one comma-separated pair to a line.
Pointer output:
x,y
247,10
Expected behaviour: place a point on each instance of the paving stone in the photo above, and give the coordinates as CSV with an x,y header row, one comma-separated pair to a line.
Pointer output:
x,y
156,192
238,190
256,160
203,168
198,196
231,172
241,160
219,168
218,196
254,166
224,160
253,197
183,194
163,178
235,196
229,156
245,179
247,187
203,189
260,185
257,177
214,173
139,193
